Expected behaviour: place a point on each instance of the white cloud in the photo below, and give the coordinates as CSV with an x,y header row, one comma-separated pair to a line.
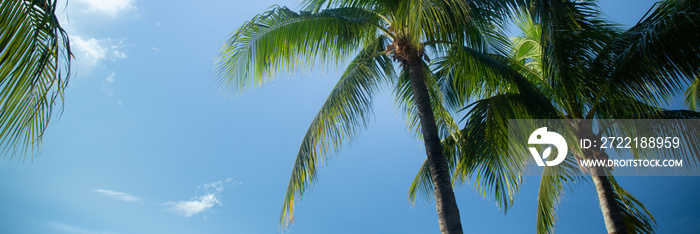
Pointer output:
x,y
110,78
118,195
107,88
109,7
202,203
91,48
115,53
67,228
156,49
190,208
97,50
107,85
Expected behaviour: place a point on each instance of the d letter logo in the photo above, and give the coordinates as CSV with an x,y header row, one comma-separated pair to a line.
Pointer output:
x,y
542,136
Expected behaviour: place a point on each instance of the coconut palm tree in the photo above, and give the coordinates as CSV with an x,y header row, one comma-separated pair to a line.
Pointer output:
x,y
378,33
35,61
588,70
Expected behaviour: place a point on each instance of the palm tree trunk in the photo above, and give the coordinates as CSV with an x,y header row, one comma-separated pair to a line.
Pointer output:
x,y
612,215
445,202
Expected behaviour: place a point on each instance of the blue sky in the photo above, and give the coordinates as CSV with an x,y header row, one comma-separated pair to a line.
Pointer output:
x,y
147,143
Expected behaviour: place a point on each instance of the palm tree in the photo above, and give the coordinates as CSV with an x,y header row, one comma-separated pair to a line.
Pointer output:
x,y
628,75
35,61
382,32
587,69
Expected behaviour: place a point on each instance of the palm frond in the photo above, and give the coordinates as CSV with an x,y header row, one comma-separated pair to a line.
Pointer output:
x,y
622,107
526,49
317,5
344,114
422,184
637,218
552,185
652,121
447,127
283,39
663,123
484,157
653,60
692,95
35,61
572,35
406,102
471,73
423,19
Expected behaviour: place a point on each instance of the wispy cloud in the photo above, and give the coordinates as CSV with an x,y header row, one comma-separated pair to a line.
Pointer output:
x,y
109,7
67,228
199,204
196,206
97,50
107,85
118,195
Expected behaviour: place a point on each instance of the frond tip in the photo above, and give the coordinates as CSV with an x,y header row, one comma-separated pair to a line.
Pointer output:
x,y
35,61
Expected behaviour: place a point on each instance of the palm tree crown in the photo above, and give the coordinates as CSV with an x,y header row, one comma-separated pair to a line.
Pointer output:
x,y
587,69
377,32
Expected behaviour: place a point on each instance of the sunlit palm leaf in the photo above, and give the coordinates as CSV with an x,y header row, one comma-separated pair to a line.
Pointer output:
x,y
526,49
692,95
283,39
404,98
34,70
429,19
422,184
552,187
432,20
472,73
637,218
485,158
344,114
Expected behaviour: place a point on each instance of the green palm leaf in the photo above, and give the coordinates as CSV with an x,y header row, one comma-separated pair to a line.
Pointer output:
x,y
637,218
552,184
572,33
406,101
344,114
422,184
485,158
471,73
653,60
526,49
283,39
447,128
692,95
35,61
